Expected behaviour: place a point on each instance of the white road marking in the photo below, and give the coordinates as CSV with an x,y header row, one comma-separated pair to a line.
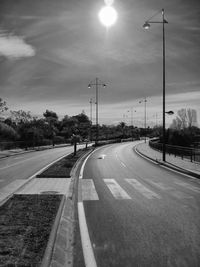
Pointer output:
x,y
142,189
85,238
188,186
42,185
88,190
102,156
116,189
8,166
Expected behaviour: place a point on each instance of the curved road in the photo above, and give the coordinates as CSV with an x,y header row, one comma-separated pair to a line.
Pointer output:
x,y
138,213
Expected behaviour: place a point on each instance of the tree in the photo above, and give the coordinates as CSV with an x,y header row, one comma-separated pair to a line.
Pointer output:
x,y
3,105
50,114
7,133
21,116
185,118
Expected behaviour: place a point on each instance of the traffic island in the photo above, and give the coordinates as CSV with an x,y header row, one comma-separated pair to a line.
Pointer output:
x,y
25,225
38,227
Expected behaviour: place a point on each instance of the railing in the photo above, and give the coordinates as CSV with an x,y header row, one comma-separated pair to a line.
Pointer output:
x,y
192,154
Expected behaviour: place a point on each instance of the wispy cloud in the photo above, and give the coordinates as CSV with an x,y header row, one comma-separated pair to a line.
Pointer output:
x,y
14,47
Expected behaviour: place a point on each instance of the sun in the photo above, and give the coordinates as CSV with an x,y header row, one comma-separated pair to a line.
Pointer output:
x,y
108,16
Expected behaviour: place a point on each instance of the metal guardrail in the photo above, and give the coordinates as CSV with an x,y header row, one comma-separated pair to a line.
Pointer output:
x,y
192,154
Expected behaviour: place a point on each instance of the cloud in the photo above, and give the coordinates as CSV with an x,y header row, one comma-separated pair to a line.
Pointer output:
x,y
14,47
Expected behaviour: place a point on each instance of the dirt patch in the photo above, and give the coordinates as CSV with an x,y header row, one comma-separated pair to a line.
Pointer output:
x,y
63,167
25,226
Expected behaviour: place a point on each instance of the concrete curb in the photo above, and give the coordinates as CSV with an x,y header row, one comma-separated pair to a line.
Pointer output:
x,y
169,165
63,242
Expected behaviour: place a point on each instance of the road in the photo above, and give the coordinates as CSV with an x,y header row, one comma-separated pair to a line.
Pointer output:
x,y
139,213
23,166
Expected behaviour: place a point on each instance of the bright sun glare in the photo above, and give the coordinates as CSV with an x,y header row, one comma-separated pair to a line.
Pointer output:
x,y
108,16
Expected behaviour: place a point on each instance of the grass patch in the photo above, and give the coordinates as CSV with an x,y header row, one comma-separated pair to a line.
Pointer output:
x,y
63,167
25,226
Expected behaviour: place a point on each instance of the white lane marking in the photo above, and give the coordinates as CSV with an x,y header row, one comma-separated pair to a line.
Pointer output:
x,y
142,189
88,190
188,186
8,166
116,189
14,164
85,238
83,166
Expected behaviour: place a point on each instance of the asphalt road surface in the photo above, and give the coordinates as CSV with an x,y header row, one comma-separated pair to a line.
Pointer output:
x,y
23,166
138,213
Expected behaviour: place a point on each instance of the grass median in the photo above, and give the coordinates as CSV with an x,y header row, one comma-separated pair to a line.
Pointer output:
x,y
26,220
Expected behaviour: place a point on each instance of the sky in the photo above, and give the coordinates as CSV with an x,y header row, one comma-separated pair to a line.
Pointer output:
x,y
51,50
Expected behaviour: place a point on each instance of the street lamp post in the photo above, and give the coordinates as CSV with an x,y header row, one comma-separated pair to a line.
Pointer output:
x,y
97,83
145,116
147,26
90,119
131,121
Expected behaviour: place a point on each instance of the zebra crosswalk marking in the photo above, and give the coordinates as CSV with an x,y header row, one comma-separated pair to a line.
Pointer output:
x,y
116,190
88,191
142,189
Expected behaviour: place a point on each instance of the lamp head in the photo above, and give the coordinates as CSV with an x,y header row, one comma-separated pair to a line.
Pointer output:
x,y
146,26
89,85
170,112
104,85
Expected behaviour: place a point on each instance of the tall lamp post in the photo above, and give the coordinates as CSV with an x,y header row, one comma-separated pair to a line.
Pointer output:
x,y
97,83
145,115
147,26
131,120
90,119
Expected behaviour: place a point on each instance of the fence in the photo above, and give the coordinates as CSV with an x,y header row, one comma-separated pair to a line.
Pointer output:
x,y
192,154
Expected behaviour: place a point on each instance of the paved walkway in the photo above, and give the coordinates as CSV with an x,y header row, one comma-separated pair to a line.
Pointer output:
x,y
145,149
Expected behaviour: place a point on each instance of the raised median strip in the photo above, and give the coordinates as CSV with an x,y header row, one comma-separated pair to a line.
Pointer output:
x,y
26,223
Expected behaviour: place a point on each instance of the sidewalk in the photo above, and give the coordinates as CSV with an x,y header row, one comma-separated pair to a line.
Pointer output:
x,y
171,160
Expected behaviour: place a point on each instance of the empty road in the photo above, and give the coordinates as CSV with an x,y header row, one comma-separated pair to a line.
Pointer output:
x,y
138,213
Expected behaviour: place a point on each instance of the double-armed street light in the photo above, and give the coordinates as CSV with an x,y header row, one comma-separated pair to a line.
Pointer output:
x,y
145,116
131,110
97,83
147,26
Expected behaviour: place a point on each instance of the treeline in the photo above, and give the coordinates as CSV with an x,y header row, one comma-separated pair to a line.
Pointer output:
x,y
20,126
26,130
